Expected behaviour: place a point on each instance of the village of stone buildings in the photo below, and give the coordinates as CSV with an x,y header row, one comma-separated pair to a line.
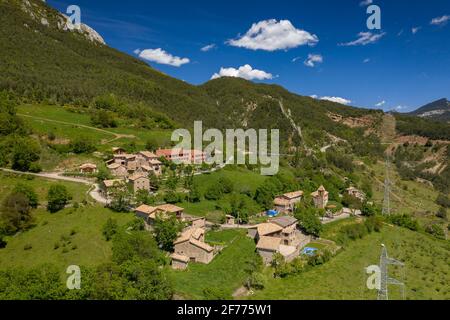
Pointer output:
x,y
280,233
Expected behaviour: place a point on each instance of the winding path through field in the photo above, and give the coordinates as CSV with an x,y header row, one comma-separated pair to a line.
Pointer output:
x,y
94,191
116,135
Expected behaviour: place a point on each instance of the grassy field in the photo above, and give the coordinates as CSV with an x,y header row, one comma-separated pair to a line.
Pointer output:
x,y
64,238
407,196
226,271
243,179
40,185
426,272
66,125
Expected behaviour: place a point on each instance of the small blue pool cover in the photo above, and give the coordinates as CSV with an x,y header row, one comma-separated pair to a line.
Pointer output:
x,y
309,251
272,213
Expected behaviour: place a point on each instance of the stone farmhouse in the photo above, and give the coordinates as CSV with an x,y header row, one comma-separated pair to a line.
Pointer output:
x,y
139,181
149,213
286,202
279,235
191,247
88,168
320,198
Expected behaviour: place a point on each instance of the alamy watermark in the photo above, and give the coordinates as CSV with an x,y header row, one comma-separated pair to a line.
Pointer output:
x,y
74,18
374,20
241,147
74,280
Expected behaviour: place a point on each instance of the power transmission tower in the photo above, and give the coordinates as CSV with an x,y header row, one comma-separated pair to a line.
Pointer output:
x,y
385,279
387,189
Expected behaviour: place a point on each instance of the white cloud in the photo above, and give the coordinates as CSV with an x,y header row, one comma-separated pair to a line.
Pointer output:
x,y
271,35
367,60
296,59
440,20
365,3
137,51
364,39
337,100
208,47
313,59
245,72
399,108
162,57
415,30
380,104
333,99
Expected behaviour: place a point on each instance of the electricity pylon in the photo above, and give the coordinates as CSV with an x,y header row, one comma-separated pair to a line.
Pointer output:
x,y
387,189
385,279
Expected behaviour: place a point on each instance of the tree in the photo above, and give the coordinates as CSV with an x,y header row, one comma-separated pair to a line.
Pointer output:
x,y
143,197
226,184
110,229
120,199
194,194
25,151
155,182
151,144
57,197
239,208
29,193
264,196
82,144
15,213
136,244
214,192
369,210
104,119
166,231
309,221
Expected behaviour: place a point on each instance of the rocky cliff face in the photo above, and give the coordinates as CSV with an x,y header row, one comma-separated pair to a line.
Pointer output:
x,y
58,20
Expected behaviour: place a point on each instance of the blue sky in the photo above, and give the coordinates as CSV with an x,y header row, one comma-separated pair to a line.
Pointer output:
x,y
402,68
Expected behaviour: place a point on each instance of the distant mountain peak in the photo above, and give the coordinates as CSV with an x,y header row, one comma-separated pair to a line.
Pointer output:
x,y
437,110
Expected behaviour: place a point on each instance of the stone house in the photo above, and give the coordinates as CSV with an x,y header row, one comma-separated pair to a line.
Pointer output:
x,y
289,233
144,211
191,245
279,235
286,202
88,168
320,198
118,170
139,181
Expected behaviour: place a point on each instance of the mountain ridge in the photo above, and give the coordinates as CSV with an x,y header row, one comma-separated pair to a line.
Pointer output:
x,y
437,110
